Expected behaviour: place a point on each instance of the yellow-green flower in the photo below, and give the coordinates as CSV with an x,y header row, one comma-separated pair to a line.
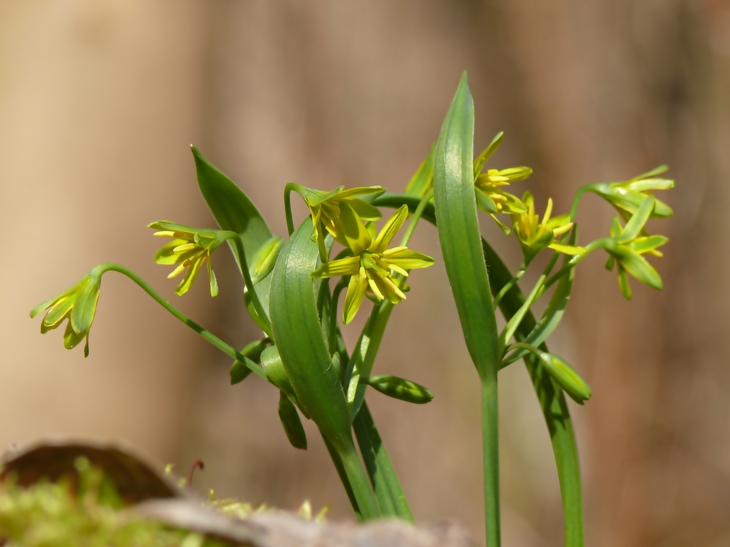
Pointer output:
x,y
190,249
628,196
325,208
535,235
490,194
78,305
373,265
627,247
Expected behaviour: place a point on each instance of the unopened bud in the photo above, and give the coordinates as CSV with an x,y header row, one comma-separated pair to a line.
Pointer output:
x,y
400,388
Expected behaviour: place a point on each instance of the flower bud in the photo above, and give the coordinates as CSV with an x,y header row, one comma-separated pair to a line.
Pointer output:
x,y
400,388
264,259
569,380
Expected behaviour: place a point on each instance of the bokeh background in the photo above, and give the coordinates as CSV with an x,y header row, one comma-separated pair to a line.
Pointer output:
x,y
99,100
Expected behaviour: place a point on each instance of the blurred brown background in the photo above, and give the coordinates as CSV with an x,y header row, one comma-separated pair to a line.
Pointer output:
x,y
99,100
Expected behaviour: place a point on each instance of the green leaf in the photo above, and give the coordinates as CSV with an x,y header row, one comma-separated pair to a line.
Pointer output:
x,y
303,351
552,401
291,422
459,234
460,239
234,211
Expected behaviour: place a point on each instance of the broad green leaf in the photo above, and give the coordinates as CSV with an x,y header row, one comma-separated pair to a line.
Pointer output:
x,y
234,211
303,351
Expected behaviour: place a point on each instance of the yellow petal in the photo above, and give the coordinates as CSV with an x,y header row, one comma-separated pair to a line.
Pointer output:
x,y
344,266
388,232
355,293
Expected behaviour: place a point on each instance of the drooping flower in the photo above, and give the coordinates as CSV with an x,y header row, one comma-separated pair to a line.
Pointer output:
x,y
535,235
78,305
627,247
190,249
325,208
628,196
373,265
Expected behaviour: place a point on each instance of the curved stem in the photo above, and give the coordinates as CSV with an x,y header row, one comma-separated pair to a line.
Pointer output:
x,y
511,283
416,217
604,243
205,334
576,200
266,323
287,208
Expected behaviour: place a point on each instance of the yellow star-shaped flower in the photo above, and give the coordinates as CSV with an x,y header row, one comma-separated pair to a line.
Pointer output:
x,y
373,265
536,235
190,249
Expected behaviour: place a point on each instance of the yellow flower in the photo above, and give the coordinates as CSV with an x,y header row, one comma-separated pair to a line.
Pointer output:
x,y
490,194
325,208
628,196
627,247
373,265
190,249
534,235
78,305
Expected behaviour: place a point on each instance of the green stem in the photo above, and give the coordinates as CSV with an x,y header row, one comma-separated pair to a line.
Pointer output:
x,y
552,401
490,453
514,321
388,490
205,334
287,208
337,461
358,479
416,217
576,200
604,243
265,321
511,283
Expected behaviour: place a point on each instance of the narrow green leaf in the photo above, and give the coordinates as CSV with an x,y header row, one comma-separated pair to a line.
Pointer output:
x,y
552,401
460,239
234,211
